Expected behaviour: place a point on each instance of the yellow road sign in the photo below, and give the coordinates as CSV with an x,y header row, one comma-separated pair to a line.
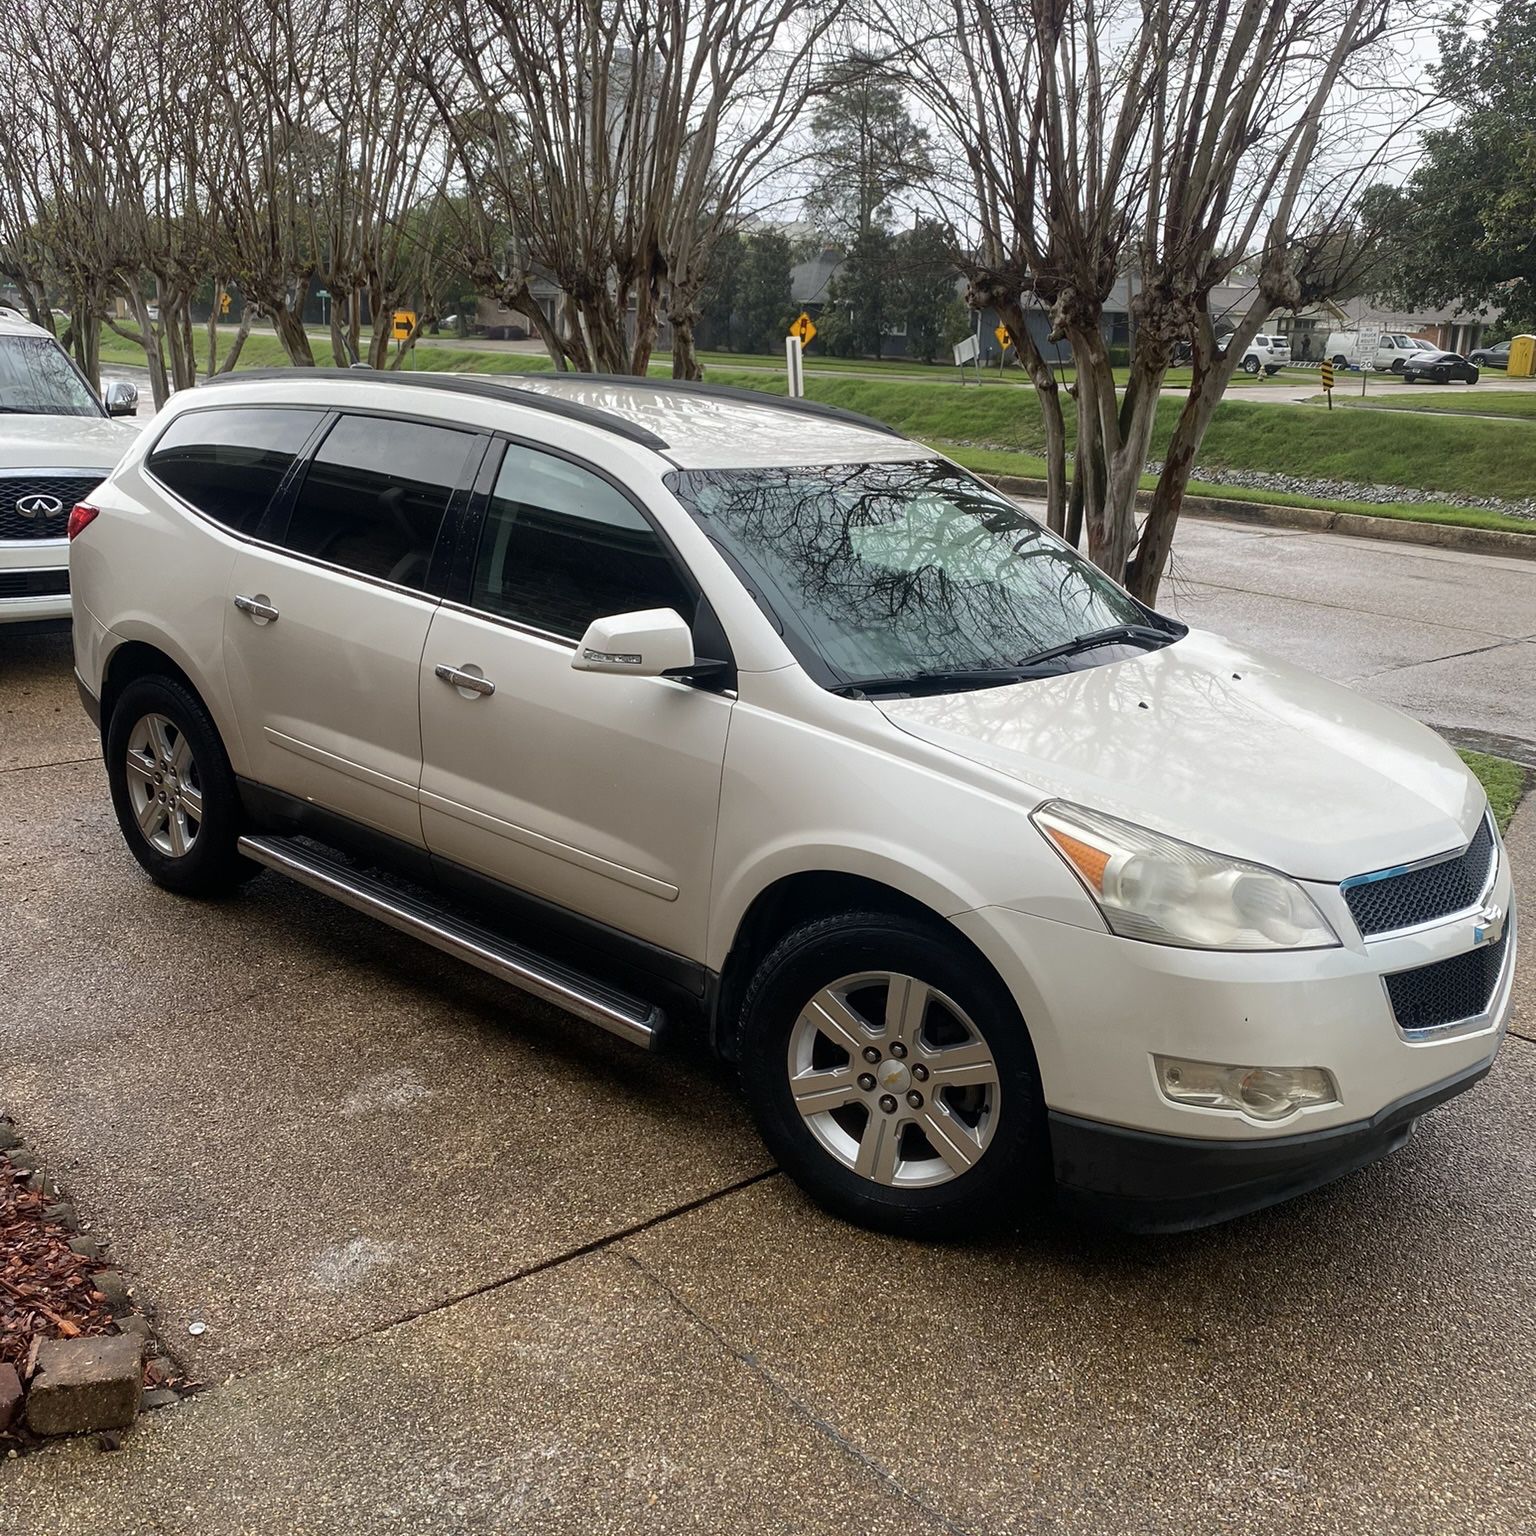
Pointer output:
x,y
1327,375
803,327
405,323
1004,340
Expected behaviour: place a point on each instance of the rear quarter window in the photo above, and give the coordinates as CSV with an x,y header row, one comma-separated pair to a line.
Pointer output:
x,y
228,463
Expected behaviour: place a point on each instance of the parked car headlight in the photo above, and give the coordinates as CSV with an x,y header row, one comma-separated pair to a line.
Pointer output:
x,y
1153,887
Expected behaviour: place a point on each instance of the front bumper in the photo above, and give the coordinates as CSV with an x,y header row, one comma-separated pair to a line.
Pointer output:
x,y
1147,1183
31,573
1100,1009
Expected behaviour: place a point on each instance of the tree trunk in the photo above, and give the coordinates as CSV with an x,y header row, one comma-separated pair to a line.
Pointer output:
x,y
288,319
1146,570
1048,392
231,357
148,338
685,360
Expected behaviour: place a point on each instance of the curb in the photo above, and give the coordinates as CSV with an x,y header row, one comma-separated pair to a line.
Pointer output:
x,y
1393,530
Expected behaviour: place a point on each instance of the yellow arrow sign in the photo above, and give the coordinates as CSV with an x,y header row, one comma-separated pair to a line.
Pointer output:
x,y
405,323
1004,340
803,327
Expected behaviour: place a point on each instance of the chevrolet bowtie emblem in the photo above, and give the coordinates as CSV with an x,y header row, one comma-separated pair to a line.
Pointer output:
x,y
1489,928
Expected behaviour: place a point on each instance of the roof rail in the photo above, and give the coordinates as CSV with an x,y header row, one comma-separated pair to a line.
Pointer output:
x,y
798,407
488,387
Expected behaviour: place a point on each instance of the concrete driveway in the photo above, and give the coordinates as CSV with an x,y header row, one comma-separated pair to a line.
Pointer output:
x,y
468,1266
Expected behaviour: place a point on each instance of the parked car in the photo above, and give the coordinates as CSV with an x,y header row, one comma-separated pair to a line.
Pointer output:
x,y
1490,357
56,445
1392,351
1438,368
680,706
1270,353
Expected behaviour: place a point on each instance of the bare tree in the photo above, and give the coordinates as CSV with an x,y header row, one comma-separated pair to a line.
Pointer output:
x,y
1168,139
615,142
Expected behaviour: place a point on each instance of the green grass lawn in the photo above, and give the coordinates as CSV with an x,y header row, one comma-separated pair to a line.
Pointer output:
x,y
1503,780
1515,404
1451,456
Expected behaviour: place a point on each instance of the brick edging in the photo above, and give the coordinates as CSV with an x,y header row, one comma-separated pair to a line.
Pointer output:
x,y
1476,541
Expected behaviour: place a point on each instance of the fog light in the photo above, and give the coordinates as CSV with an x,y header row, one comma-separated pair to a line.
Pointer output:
x,y
1262,1093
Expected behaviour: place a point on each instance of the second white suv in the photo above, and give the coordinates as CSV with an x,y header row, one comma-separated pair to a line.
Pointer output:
x,y
1268,354
56,446
675,706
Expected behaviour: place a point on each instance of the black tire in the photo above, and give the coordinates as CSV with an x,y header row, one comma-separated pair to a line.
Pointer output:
x,y
1340,361
1397,364
1251,365
1008,1181
209,866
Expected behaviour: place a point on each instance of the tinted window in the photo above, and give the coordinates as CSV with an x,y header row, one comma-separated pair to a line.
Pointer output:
x,y
228,463
374,495
561,547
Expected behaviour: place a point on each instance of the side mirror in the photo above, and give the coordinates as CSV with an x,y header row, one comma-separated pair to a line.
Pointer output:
x,y
650,643
121,398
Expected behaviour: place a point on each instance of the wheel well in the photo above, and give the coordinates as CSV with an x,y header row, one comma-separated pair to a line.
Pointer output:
x,y
797,899
131,661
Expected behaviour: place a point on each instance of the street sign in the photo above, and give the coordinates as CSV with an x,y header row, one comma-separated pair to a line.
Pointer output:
x,y
803,329
1004,340
1327,375
405,323
967,351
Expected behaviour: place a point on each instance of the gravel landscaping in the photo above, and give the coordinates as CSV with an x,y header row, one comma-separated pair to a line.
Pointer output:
x,y
1354,490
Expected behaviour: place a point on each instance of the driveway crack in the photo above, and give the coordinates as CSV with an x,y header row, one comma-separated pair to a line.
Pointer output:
x,y
801,1410
554,1261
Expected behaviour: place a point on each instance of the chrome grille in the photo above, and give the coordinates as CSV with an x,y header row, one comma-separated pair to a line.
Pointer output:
x,y
1449,990
66,489
1384,902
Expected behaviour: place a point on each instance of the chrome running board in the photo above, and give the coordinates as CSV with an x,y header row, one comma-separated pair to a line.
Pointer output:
x,y
630,1018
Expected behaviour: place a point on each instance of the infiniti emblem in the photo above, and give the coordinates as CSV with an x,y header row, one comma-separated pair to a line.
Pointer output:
x,y
39,506
1489,928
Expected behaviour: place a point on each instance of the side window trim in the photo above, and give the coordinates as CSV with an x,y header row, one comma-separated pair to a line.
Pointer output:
x,y
275,525
323,415
472,527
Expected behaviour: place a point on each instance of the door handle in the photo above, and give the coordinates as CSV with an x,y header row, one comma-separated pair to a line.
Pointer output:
x,y
258,608
462,679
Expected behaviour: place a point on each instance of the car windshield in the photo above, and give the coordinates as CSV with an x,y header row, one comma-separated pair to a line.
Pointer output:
x,y
38,379
911,571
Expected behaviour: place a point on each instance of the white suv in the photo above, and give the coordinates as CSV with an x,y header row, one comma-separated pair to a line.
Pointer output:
x,y
680,705
56,444
1269,353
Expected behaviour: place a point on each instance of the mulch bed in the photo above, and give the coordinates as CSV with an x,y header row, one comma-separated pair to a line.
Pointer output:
x,y
45,1287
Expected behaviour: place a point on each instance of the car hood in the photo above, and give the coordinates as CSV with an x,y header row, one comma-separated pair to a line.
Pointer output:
x,y
1227,748
63,442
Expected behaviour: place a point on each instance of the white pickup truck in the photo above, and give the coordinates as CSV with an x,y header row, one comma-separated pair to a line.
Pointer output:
x,y
57,444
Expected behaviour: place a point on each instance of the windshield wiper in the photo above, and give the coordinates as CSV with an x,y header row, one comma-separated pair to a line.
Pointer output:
x,y
936,681
1117,634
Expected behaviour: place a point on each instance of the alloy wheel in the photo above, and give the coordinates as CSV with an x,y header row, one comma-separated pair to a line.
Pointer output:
x,y
164,788
894,1080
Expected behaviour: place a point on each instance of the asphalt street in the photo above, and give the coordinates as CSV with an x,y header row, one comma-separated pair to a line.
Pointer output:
x,y
466,1265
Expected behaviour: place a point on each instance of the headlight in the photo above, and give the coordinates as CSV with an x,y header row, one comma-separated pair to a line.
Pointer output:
x,y
1156,888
